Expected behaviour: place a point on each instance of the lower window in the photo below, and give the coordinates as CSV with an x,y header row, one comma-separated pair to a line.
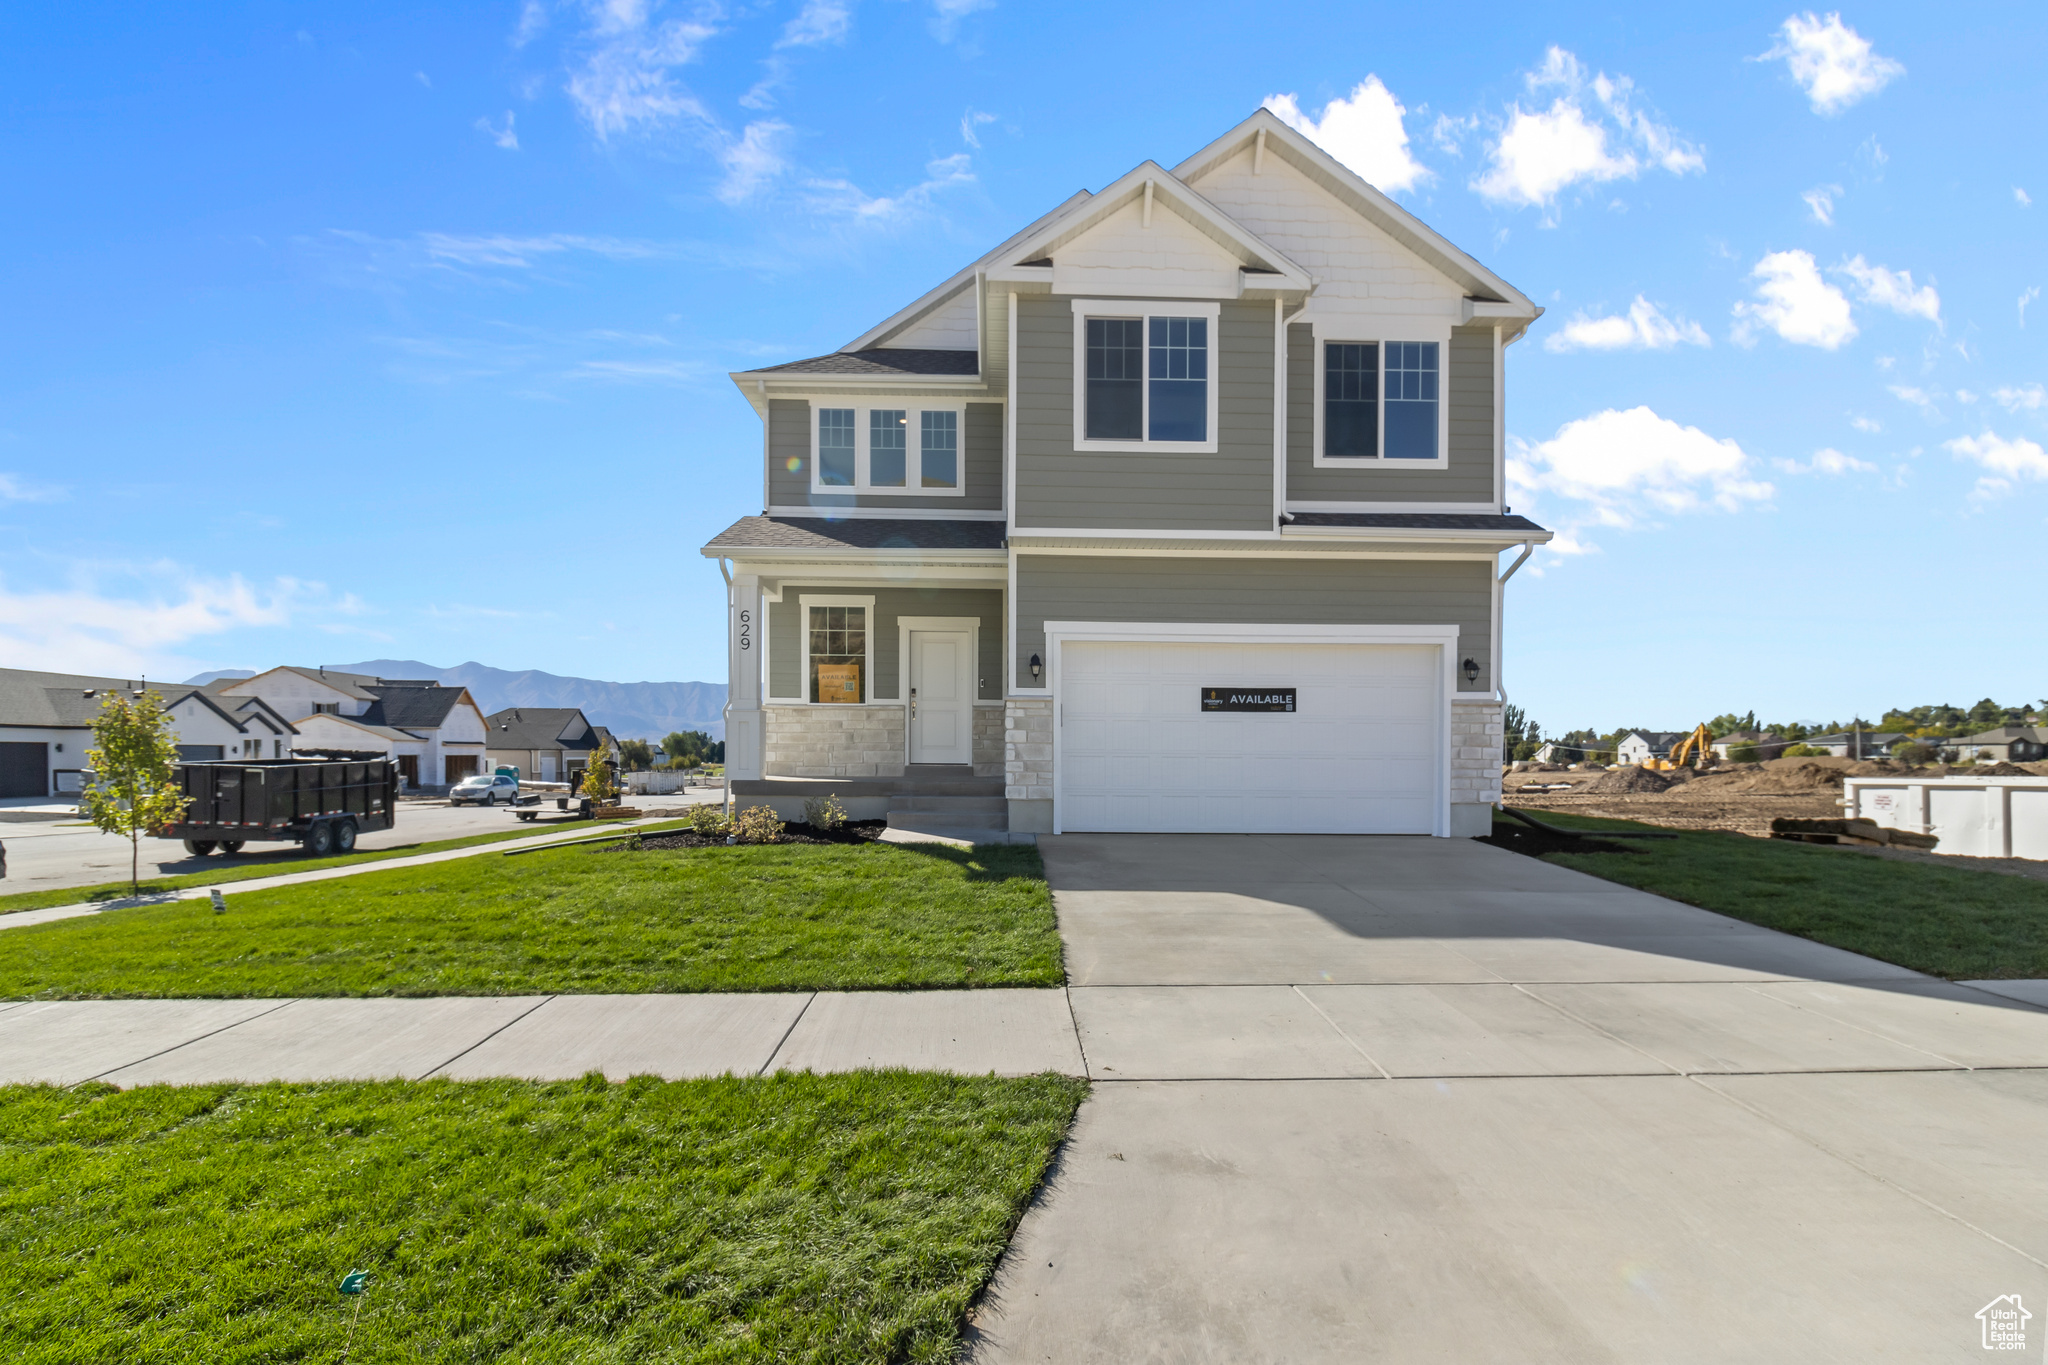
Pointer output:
x,y
839,649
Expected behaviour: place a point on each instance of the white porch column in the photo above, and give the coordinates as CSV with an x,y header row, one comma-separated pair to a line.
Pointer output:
x,y
743,721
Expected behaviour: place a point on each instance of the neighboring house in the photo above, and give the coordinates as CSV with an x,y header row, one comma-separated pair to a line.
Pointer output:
x,y
548,743
1857,743
46,727
1180,510
1557,751
2006,744
435,734
1768,744
1639,746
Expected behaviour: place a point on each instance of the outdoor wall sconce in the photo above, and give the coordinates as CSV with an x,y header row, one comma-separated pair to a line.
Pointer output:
x,y
1036,668
1471,671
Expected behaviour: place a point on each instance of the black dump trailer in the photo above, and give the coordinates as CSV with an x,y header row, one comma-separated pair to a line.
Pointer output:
x,y
321,805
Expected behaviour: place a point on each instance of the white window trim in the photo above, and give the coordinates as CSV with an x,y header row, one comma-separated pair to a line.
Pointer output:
x,y
913,456
1145,309
1379,333
804,603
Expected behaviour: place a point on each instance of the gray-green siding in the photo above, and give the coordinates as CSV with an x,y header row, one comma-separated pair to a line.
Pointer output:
x,y
1229,490
1270,591
785,645
789,460
1469,410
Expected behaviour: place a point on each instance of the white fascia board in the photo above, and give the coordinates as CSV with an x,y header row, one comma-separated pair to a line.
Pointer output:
x,y
1176,197
771,554
811,381
1376,207
896,322
1251,632
1497,540
885,513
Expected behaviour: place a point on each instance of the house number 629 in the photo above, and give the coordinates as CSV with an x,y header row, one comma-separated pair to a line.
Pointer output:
x,y
746,630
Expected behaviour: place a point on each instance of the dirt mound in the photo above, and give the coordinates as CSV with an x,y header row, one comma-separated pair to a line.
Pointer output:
x,y
2000,769
1629,780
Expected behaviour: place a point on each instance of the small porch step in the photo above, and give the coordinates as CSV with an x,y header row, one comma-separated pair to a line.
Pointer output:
x,y
927,813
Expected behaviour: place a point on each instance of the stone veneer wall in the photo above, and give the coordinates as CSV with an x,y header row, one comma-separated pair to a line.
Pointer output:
x,y
833,741
1027,749
863,741
1475,752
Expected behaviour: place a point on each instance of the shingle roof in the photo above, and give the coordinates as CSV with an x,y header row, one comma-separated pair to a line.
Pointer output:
x,y
882,360
539,727
28,697
1419,521
412,708
819,533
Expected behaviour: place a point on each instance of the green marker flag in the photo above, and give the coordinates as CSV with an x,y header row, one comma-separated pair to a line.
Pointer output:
x,y
355,1281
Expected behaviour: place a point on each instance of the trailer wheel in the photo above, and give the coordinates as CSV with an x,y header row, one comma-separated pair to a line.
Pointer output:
x,y
231,846
199,848
345,837
319,841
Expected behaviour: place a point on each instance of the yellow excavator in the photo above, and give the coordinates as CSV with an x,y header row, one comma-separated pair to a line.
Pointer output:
x,y
1696,748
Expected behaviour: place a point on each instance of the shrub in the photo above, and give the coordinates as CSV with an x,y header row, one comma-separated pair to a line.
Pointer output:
x,y
1804,751
758,825
1743,753
824,812
709,821
1914,754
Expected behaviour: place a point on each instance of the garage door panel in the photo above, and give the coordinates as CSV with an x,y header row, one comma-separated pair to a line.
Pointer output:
x,y
1362,751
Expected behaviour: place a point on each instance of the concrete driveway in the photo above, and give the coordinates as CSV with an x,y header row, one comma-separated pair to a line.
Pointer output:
x,y
1424,1100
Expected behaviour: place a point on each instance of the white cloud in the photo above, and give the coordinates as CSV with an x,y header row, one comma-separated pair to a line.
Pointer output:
x,y
752,160
1796,303
1832,62
1364,132
1643,328
2022,198
504,136
1827,460
818,22
1893,289
14,488
971,120
1919,398
1623,462
2008,461
2027,296
1584,136
947,14
1866,424
533,17
81,629
843,196
2027,397
524,252
1965,396
1820,201
625,83
423,79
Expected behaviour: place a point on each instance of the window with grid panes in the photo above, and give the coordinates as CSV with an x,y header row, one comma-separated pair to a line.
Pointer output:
x,y
1116,376
1411,384
1351,392
839,649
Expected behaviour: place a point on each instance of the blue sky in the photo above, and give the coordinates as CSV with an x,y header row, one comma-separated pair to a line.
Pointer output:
x,y
345,331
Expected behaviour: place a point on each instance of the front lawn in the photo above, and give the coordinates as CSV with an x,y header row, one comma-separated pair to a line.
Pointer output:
x,y
1948,921
278,860
784,1218
579,921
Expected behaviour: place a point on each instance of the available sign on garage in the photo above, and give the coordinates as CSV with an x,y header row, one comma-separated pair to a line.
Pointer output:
x,y
1247,699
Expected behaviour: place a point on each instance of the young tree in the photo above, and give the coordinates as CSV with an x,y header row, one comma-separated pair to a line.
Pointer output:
x,y
1512,722
133,760
597,779
636,754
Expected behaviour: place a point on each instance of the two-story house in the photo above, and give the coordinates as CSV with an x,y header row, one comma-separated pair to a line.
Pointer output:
x,y
1181,510
435,735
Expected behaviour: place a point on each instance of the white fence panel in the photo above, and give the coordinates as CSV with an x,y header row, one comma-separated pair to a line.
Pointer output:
x,y
1977,817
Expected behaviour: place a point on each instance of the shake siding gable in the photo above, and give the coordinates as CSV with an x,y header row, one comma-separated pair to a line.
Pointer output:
x,y
1057,486
1468,408
1272,591
789,457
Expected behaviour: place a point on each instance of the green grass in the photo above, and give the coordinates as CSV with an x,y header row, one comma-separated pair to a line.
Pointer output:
x,y
747,918
1954,922
786,1218
283,863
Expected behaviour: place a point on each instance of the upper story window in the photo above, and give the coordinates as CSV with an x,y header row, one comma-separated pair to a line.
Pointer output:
x,y
907,451
1380,400
1144,375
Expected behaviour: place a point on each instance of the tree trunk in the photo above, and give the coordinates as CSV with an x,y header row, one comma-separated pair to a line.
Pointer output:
x,y
134,865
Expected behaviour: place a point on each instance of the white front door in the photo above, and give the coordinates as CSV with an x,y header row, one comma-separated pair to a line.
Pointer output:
x,y
941,697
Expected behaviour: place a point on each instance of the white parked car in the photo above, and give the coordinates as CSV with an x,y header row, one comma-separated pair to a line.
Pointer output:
x,y
484,791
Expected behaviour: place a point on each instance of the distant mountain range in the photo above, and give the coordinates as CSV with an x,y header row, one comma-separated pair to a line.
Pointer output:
x,y
644,710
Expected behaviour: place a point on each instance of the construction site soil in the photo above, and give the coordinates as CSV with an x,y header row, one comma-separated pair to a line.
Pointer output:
x,y
1742,797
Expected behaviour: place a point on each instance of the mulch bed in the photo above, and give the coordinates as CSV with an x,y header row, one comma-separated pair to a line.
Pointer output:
x,y
852,832
1534,843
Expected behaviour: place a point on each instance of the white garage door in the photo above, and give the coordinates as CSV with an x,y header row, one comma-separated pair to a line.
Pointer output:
x,y
1361,753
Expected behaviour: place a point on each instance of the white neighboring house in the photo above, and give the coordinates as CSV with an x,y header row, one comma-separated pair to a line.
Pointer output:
x,y
46,727
1638,746
436,735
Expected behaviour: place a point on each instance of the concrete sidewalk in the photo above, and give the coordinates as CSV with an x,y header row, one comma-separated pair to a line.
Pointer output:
x,y
143,1042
